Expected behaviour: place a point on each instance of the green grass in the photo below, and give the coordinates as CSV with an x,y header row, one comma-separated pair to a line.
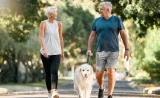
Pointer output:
x,y
146,82
36,84
39,84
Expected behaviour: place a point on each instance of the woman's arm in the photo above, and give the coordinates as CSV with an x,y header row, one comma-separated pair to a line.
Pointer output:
x,y
61,38
41,37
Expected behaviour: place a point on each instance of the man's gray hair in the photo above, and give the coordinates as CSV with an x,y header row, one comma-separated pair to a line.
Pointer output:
x,y
49,10
106,5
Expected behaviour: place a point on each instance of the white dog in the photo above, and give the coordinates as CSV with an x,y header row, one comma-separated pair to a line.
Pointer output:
x,y
83,79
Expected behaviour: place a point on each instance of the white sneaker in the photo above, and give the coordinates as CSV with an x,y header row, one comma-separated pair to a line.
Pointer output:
x,y
49,95
55,95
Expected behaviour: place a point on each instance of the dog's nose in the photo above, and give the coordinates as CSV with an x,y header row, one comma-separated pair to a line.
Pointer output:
x,y
85,75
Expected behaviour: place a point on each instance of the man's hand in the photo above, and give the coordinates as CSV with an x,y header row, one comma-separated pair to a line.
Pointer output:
x,y
89,52
126,55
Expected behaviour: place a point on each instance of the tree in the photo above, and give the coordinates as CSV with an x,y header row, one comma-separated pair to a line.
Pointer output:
x,y
76,35
17,23
144,13
152,51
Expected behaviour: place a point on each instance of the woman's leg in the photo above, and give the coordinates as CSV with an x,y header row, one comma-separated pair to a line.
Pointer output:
x,y
54,71
47,68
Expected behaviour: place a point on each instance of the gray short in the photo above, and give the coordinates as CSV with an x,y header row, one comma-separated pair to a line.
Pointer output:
x,y
106,60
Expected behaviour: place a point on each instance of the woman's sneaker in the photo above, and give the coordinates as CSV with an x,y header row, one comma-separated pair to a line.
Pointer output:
x,y
49,95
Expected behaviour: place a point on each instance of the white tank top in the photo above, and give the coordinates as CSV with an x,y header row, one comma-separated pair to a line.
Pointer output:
x,y
51,39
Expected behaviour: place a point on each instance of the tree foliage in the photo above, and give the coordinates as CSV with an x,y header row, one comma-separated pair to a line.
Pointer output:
x,y
152,51
19,28
80,29
16,37
145,13
19,24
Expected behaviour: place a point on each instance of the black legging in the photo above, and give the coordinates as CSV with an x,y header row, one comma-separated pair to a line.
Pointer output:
x,y
51,66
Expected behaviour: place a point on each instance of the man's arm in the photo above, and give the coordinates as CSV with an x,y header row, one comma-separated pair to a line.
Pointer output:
x,y
91,40
125,40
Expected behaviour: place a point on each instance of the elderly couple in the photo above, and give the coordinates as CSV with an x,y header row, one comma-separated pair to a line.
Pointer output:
x,y
105,29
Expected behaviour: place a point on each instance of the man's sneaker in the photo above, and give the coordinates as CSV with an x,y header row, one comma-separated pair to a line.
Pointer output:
x,y
55,95
110,96
100,93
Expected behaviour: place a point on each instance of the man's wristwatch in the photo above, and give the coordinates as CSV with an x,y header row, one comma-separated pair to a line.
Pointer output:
x,y
127,49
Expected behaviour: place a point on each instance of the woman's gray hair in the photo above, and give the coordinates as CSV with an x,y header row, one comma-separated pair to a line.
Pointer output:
x,y
49,10
106,5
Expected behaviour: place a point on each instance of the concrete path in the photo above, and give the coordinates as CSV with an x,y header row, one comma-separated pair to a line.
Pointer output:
x,y
123,89
65,96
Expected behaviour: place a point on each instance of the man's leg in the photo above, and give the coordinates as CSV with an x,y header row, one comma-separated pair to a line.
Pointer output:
x,y
111,80
100,68
111,62
100,79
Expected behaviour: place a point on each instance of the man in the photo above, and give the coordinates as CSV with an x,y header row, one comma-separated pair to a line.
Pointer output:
x,y
105,30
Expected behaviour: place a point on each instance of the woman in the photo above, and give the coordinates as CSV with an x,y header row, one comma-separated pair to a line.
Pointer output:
x,y
51,51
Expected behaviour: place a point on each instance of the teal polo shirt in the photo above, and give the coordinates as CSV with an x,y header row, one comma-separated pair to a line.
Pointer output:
x,y
107,31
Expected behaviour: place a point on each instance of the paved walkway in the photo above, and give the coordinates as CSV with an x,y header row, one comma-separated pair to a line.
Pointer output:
x,y
65,96
123,89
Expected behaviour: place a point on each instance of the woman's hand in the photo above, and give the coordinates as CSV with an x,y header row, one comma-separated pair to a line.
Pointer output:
x,y
45,53
62,56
